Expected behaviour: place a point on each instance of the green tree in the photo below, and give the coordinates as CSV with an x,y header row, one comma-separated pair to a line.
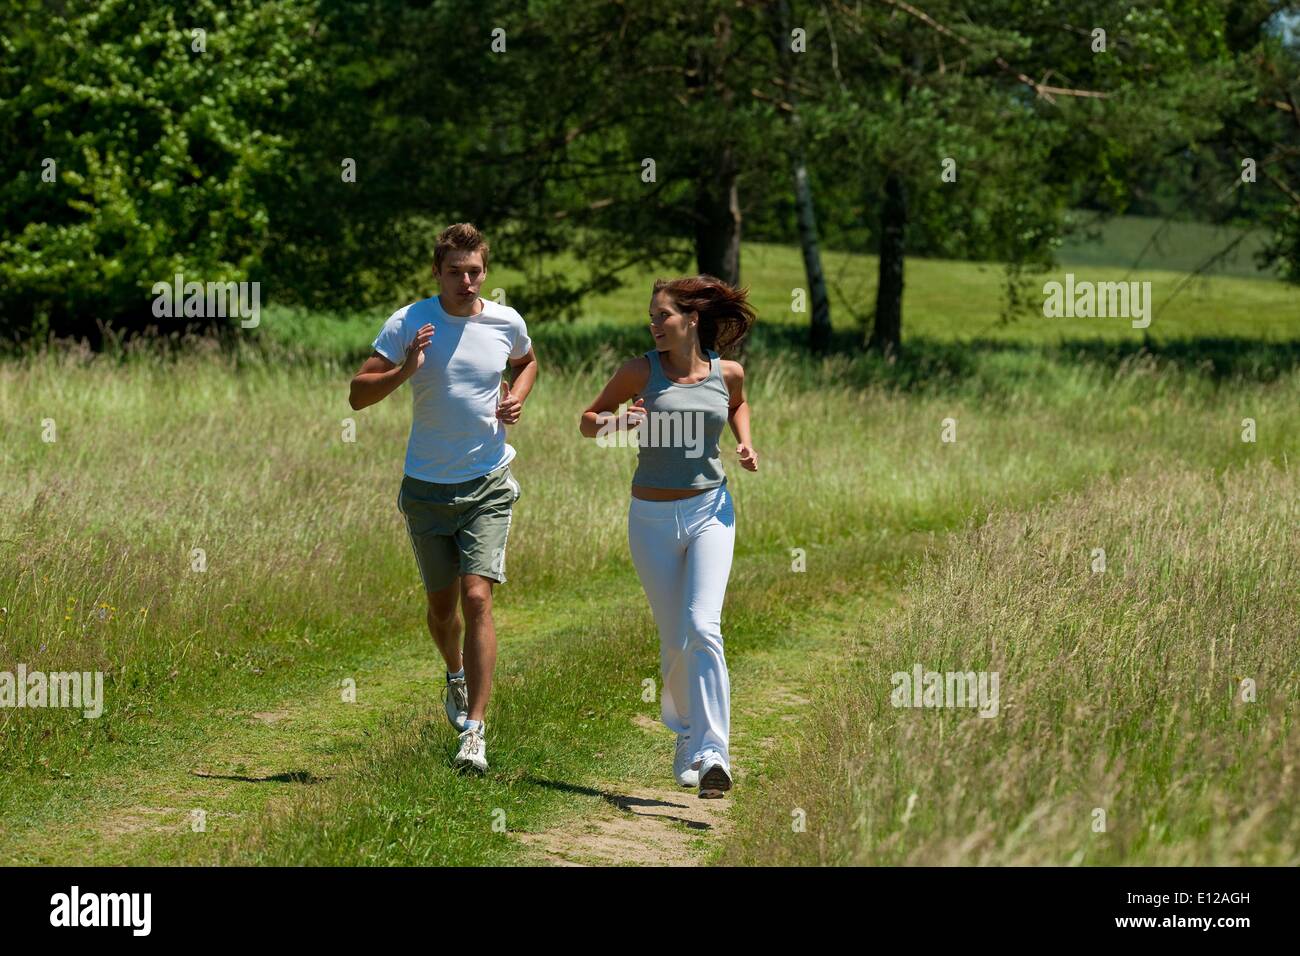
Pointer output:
x,y
135,149
973,127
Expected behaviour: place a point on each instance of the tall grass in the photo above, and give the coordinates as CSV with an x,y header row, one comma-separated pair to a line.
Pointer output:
x,y
241,454
300,529
1126,731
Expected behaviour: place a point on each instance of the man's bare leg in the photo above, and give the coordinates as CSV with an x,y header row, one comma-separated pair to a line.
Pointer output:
x,y
480,641
444,624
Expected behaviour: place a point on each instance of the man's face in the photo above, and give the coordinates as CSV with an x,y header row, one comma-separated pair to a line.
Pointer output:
x,y
461,276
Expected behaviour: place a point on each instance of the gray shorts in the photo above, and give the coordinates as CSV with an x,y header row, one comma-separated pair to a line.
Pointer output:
x,y
459,528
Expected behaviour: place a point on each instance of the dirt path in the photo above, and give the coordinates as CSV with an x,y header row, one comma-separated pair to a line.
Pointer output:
x,y
631,825
643,823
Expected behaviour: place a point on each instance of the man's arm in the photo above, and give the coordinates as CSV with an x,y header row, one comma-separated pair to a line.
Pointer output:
x,y
378,376
376,379
522,375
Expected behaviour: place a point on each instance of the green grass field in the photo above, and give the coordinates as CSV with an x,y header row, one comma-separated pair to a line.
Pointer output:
x,y
1152,243
945,302
226,736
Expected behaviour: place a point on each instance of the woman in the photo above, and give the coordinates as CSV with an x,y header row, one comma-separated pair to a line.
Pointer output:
x,y
681,525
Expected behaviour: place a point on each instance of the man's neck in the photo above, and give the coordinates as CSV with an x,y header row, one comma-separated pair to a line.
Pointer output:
x,y
475,307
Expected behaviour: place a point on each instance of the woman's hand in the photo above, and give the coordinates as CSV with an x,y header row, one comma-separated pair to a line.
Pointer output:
x,y
602,417
748,457
630,419
634,415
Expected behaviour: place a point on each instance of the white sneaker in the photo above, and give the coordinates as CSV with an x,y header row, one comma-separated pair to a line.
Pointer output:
x,y
715,779
455,699
685,772
473,750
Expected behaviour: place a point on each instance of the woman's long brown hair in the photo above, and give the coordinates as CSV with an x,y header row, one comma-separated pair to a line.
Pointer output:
x,y
725,313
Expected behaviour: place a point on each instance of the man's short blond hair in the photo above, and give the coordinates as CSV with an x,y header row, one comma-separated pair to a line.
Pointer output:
x,y
461,237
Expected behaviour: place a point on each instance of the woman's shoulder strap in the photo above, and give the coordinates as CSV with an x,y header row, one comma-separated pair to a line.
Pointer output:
x,y
656,368
715,359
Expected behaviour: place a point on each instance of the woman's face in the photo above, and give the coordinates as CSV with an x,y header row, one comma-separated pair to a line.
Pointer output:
x,y
669,327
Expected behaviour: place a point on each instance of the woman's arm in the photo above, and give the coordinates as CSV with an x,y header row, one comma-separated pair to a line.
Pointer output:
x,y
738,414
628,381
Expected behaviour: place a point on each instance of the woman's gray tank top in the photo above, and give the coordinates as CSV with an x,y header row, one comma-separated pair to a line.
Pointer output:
x,y
678,440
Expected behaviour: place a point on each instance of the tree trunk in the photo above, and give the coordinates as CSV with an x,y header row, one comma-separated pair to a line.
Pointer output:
x,y
717,224
819,328
819,325
717,195
886,336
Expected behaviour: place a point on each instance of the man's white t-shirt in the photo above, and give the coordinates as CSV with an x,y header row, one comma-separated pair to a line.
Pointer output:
x,y
455,434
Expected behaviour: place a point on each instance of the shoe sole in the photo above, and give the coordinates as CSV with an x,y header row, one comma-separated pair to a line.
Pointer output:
x,y
469,765
714,784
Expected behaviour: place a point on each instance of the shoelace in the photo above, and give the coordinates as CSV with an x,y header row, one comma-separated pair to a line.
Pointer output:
x,y
459,691
475,739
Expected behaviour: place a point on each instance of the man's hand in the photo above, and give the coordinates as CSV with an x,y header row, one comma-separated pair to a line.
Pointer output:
x,y
415,351
509,408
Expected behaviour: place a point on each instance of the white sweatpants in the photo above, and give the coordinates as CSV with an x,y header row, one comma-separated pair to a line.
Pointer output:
x,y
682,553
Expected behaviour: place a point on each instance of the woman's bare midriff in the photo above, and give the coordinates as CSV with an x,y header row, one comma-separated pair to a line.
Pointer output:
x,y
665,494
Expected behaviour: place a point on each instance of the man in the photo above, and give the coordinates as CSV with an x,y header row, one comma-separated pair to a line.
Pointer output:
x,y
457,490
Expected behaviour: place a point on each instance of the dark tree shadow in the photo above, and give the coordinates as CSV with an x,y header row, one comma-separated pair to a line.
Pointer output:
x,y
291,776
624,802
928,364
